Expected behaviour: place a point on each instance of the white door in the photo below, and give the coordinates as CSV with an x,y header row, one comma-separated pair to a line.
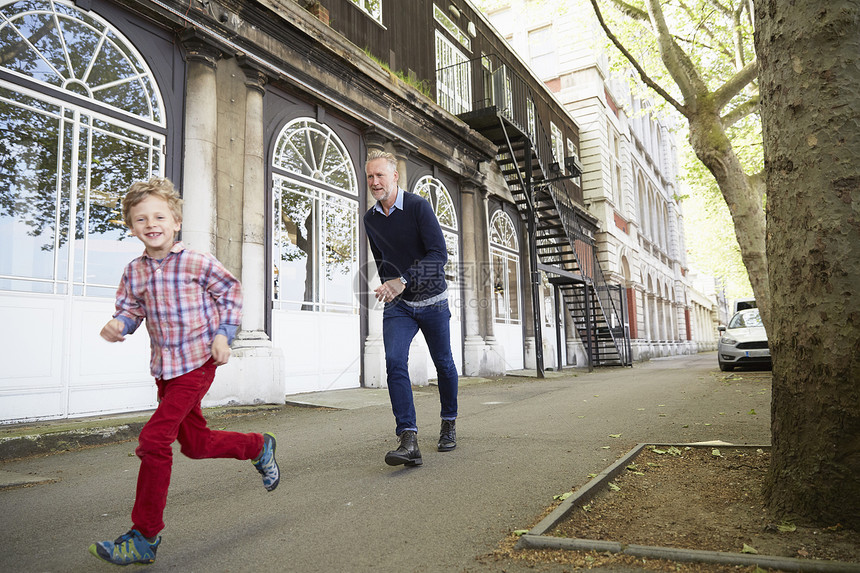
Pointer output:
x,y
315,317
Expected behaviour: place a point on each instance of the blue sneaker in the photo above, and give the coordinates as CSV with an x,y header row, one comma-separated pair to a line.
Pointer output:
x,y
266,464
131,547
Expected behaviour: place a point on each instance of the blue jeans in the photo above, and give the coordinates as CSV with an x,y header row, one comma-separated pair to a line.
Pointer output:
x,y
400,324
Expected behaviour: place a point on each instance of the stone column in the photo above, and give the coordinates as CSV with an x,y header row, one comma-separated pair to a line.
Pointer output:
x,y
496,355
254,262
201,136
479,358
255,371
374,349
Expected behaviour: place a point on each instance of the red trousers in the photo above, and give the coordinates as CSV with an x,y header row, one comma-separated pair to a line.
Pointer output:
x,y
178,417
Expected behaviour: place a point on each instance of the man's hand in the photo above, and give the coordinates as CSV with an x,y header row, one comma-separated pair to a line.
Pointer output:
x,y
388,290
220,350
112,331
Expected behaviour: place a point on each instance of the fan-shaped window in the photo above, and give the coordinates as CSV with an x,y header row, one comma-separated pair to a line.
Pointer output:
x,y
68,151
312,150
57,44
502,232
315,223
505,265
435,192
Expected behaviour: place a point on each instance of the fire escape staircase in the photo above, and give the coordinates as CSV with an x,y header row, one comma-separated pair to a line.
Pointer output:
x,y
560,244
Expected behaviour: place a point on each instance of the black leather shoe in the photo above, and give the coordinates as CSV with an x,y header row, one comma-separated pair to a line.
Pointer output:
x,y
408,453
447,436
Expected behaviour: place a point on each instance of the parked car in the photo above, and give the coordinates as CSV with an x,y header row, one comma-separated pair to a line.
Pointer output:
x,y
743,304
743,341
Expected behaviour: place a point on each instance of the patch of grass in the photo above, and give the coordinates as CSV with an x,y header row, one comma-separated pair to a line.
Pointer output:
x,y
420,85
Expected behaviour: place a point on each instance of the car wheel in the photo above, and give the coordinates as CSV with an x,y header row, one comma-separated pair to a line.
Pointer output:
x,y
726,367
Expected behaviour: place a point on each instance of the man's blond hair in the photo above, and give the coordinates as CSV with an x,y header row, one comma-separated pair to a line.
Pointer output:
x,y
388,157
160,187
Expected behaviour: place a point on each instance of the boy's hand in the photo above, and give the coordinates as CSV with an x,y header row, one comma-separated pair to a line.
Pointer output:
x,y
112,331
220,350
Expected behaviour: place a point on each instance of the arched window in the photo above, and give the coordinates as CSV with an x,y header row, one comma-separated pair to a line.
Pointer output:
x,y
89,123
505,264
315,223
435,192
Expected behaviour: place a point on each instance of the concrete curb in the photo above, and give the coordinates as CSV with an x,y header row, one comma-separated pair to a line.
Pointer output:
x,y
537,538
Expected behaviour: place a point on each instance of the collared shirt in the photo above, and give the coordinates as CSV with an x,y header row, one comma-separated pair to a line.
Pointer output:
x,y
398,204
187,298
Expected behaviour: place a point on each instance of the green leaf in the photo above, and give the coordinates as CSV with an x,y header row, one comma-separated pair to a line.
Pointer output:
x,y
786,527
563,496
614,435
614,487
715,452
748,549
592,475
519,532
752,413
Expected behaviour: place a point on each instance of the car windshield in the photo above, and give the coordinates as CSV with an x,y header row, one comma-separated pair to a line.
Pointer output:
x,y
746,319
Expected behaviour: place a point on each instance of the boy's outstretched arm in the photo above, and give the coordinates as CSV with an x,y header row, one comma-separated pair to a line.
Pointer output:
x,y
113,330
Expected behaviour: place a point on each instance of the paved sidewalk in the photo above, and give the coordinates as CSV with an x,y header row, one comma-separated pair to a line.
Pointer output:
x,y
521,441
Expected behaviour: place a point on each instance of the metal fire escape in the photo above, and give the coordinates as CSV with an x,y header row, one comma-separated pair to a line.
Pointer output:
x,y
560,244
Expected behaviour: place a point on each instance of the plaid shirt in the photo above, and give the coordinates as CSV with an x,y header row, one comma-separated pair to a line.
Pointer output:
x,y
187,298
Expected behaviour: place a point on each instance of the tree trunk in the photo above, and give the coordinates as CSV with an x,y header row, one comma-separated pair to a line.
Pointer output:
x,y
809,52
743,197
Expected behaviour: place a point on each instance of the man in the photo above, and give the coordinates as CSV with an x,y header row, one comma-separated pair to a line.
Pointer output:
x,y
410,252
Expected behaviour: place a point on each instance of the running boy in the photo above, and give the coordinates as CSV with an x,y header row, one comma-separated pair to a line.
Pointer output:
x,y
192,306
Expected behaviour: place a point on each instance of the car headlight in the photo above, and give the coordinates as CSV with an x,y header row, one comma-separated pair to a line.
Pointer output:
x,y
729,341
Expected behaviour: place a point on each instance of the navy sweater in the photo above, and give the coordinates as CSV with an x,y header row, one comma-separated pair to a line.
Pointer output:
x,y
409,244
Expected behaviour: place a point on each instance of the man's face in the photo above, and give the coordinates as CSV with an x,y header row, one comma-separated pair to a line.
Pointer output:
x,y
381,179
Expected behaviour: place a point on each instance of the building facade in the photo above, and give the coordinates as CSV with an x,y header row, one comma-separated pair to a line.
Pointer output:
x,y
262,113
629,178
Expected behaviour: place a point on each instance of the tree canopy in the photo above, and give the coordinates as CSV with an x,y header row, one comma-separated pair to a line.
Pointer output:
x,y
698,56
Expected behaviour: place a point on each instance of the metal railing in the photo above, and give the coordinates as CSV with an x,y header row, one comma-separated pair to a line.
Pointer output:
x,y
487,82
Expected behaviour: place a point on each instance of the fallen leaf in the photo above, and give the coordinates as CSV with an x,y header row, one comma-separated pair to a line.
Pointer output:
x,y
614,435
563,496
715,452
519,532
748,549
786,527
752,413
614,487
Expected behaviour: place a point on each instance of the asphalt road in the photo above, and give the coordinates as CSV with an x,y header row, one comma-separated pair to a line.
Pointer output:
x,y
339,508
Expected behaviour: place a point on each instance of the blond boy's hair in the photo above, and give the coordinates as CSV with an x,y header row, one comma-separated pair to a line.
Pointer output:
x,y
160,187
